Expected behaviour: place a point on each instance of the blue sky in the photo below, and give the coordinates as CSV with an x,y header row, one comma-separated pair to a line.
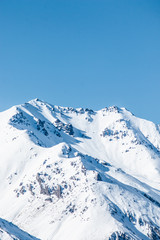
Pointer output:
x,y
81,53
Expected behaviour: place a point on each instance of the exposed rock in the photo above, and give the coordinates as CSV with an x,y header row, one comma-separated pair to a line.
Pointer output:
x,y
120,236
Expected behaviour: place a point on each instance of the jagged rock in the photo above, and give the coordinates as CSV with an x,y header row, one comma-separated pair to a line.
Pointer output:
x,y
154,233
119,236
68,128
40,124
98,177
58,191
90,111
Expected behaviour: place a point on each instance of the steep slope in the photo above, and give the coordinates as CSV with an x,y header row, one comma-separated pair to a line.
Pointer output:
x,y
79,173
8,231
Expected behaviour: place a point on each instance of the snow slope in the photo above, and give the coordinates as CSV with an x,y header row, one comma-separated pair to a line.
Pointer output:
x,y
8,231
79,174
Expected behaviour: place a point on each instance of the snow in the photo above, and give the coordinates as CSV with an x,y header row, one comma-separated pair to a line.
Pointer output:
x,y
78,173
9,231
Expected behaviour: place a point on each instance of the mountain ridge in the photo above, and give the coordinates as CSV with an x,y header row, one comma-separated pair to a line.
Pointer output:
x,y
98,171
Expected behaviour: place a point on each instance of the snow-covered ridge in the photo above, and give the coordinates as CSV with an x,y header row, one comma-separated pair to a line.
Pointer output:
x,y
79,173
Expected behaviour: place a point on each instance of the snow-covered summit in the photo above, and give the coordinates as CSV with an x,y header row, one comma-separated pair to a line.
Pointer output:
x,y
79,173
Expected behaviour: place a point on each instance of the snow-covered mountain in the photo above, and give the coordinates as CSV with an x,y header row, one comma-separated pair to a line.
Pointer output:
x,y
78,174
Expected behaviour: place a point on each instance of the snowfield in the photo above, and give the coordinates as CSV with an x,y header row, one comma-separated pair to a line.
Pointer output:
x,y
78,174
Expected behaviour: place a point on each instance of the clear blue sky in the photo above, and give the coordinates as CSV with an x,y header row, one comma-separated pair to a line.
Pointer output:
x,y
81,53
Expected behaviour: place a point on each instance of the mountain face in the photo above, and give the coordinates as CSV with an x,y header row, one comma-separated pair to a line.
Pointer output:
x,y
78,174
